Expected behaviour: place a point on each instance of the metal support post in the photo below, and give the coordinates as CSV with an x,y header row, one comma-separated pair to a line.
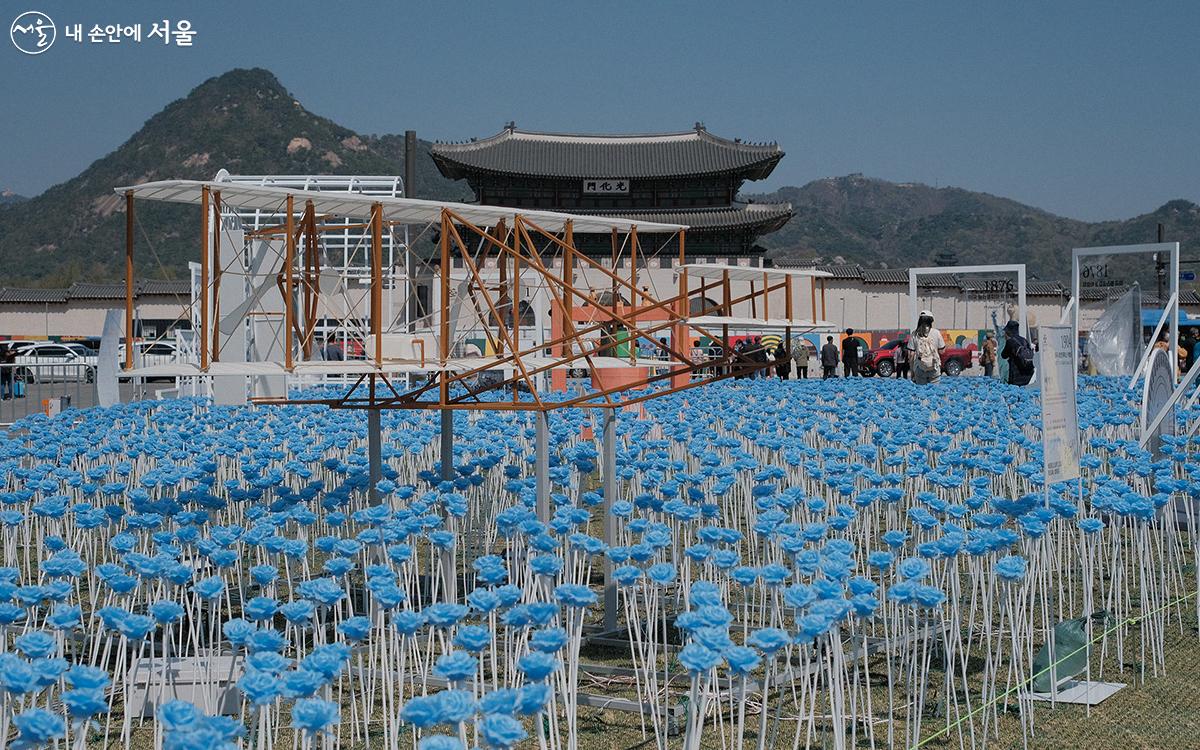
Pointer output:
x,y
289,313
608,470
541,465
447,445
129,226
410,260
447,454
202,339
375,452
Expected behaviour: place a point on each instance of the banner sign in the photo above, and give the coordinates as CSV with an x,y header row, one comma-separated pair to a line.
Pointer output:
x,y
1060,420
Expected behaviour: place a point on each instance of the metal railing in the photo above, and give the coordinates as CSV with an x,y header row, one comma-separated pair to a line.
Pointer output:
x,y
26,388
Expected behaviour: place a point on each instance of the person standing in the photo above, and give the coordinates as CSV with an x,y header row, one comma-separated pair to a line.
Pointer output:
x,y
737,363
850,354
8,359
900,361
783,361
1019,354
332,352
800,355
829,358
988,357
925,345
715,353
761,357
1164,343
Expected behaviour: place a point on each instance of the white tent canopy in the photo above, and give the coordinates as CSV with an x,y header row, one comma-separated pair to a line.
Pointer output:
x,y
401,210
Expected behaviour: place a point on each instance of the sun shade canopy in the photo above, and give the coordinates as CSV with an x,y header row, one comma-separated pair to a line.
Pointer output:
x,y
400,210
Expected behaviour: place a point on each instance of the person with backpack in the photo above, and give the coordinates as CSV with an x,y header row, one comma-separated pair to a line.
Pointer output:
x,y
1019,354
988,358
925,345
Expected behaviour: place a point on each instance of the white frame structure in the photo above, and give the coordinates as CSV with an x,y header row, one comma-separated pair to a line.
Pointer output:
x,y
1170,310
351,244
1017,268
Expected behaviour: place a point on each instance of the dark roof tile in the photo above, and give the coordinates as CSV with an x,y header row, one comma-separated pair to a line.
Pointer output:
x,y
89,290
694,152
765,217
11,295
842,271
173,287
885,275
95,290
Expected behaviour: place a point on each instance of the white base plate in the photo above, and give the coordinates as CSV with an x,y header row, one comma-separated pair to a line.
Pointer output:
x,y
1082,693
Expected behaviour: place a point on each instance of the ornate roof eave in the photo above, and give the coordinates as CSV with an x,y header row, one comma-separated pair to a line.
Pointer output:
x,y
453,170
565,156
761,218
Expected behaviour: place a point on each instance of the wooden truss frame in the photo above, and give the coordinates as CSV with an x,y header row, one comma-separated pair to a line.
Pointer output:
x,y
520,248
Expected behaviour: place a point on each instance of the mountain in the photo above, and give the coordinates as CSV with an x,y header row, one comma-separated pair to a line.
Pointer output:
x,y
879,224
9,198
244,121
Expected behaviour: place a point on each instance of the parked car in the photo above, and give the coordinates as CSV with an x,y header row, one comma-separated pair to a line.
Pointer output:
x,y
49,361
882,360
150,353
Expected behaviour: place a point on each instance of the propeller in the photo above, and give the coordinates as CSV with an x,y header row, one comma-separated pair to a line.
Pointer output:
x,y
229,323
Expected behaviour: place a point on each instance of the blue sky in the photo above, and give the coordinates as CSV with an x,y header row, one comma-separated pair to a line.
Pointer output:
x,y
1089,110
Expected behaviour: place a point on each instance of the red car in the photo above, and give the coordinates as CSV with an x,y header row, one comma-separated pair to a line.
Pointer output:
x,y
882,361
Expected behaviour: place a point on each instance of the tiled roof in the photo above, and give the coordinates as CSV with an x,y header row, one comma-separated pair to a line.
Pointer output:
x,y
92,290
842,271
694,152
937,281
884,276
1046,289
32,295
88,290
173,287
765,217
1151,299
1106,292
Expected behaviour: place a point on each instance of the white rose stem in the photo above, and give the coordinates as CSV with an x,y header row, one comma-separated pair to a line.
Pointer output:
x,y
666,639
691,720
130,678
638,656
650,595
539,724
766,693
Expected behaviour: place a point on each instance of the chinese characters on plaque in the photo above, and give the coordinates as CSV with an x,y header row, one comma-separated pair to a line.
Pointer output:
x,y
606,187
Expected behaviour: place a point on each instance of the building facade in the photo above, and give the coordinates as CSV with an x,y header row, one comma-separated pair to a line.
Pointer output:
x,y
691,178
160,307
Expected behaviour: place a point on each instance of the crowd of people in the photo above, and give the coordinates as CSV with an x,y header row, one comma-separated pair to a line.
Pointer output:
x,y
918,358
1186,350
